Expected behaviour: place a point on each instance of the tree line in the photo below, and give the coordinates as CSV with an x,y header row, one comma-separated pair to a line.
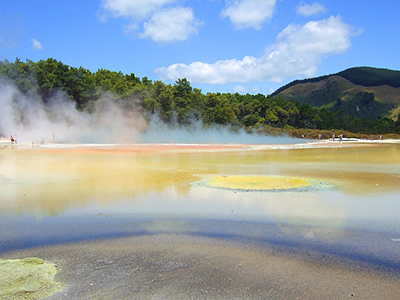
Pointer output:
x,y
180,103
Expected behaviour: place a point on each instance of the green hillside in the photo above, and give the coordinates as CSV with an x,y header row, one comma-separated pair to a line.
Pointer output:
x,y
368,76
361,92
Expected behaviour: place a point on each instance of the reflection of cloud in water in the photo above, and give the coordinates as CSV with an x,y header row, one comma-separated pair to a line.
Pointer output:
x,y
312,215
307,211
305,208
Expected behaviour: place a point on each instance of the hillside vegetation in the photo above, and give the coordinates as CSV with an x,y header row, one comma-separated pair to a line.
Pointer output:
x,y
362,92
368,76
325,104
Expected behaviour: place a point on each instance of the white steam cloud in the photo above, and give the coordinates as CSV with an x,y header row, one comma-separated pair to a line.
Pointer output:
x,y
196,134
60,122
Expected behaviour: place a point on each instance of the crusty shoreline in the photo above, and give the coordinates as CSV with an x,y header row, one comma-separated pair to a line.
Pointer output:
x,y
190,267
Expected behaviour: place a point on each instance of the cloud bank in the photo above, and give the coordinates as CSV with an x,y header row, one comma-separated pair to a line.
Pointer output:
x,y
249,13
136,9
174,24
297,52
162,20
309,10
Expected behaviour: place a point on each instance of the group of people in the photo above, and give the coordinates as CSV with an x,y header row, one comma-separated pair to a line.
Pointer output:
x,y
14,139
340,137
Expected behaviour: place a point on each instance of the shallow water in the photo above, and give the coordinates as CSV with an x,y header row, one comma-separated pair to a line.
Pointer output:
x,y
58,195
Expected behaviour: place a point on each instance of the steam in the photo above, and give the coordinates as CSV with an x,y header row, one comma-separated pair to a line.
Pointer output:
x,y
196,134
60,122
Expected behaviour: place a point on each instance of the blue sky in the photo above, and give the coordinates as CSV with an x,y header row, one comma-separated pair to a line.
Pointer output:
x,y
242,46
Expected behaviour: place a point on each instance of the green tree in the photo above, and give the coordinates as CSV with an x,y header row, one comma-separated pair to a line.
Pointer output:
x,y
293,113
51,75
166,105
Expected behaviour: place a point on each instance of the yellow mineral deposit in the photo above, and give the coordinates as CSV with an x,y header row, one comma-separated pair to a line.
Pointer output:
x,y
28,278
259,183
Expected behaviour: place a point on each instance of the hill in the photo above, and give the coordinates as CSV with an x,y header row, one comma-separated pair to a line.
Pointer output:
x,y
361,92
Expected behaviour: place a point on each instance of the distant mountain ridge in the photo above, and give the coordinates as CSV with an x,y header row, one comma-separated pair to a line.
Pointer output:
x,y
363,92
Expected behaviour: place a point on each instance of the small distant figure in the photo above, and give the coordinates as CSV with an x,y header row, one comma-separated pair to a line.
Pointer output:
x,y
15,139
320,136
42,141
12,139
380,137
333,138
341,137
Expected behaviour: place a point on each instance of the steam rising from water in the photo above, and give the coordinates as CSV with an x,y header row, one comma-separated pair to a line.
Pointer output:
x,y
59,121
159,133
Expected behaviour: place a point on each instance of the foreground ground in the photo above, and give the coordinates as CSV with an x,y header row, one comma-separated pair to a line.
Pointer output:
x,y
186,267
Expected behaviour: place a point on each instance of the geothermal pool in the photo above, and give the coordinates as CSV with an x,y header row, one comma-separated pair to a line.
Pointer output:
x,y
311,202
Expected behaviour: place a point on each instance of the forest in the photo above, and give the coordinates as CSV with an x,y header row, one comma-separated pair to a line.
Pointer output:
x,y
180,104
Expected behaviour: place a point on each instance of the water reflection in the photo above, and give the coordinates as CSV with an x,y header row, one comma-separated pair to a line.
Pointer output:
x,y
96,185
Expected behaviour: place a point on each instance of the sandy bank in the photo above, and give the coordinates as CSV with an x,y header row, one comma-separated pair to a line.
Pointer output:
x,y
185,267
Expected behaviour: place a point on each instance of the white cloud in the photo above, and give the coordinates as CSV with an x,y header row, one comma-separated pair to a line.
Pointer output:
x,y
297,52
174,24
161,22
139,9
309,10
244,89
36,44
130,28
249,13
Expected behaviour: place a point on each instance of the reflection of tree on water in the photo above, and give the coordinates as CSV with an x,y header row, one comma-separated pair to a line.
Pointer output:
x,y
310,214
49,181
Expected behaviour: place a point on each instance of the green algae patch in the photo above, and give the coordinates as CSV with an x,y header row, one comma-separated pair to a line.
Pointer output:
x,y
28,278
263,183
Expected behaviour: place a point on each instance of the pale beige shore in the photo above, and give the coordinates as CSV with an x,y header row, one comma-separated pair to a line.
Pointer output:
x,y
188,267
